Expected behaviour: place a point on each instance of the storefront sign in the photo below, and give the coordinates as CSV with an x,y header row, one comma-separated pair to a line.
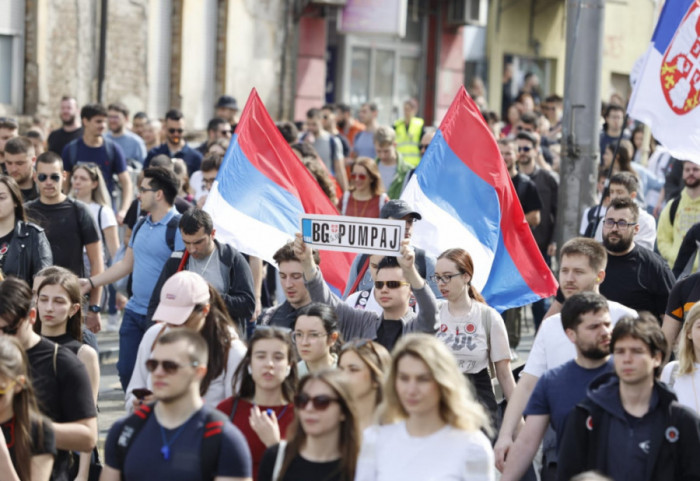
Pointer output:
x,y
353,234
373,16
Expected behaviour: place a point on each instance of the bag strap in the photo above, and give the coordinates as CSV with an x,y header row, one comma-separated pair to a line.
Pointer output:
x,y
211,443
674,208
131,427
279,460
55,359
234,409
171,231
486,321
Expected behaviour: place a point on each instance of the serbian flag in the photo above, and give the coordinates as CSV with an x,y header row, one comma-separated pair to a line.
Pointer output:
x,y
261,190
466,198
667,94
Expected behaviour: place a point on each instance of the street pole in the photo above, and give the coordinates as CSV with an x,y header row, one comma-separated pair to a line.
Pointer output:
x,y
581,119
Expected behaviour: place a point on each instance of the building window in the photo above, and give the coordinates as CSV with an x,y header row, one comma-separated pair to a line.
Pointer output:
x,y
11,53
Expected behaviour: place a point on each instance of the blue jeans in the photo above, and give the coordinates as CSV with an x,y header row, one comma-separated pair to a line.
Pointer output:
x,y
130,334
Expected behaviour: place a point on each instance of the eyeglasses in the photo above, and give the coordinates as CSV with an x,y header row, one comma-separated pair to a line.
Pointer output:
x,y
170,367
173,131
8,387
225,132
444,279
10,330
358,176
390,284
43,177
320,403
524,149
146,189
310,336
621,224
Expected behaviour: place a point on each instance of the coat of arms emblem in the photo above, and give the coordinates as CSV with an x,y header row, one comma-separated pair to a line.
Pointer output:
x,y
680,68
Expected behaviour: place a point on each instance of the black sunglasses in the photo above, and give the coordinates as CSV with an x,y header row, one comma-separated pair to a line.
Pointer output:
x,y
172,131
170,367
320,403
43,177
390,284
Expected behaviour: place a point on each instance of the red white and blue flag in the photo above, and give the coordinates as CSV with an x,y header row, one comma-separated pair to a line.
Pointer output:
x,y
667,94
466,198
261,190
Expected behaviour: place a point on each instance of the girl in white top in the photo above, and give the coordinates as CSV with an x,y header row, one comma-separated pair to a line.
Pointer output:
x,y
316,337
683,376
473,331
364,364
433,424
188,301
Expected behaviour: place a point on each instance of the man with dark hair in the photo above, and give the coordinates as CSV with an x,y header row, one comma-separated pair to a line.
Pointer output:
x,y
59,379
614,119
328,147
291,274
217,128
347,125
69,227
138,123
227,108
8,129
94,147
175,145
289,132
525,188
178,365
70,125
630,425
221,265
363,143
20,157
132,145
586,321
153,240
330,125
396,279
210,169
552,108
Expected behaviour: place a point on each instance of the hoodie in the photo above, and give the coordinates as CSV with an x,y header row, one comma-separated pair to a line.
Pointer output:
x,y
600,435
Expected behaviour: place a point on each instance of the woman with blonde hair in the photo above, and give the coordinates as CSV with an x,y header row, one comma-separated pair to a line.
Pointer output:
x,y
428,412
366,195
27,447
324,440
364,364
683,375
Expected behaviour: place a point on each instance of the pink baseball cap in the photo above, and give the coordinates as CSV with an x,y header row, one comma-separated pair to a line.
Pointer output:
x,y
179,295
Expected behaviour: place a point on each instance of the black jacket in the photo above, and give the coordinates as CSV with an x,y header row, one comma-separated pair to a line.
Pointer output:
x,y
29,252
239,299
592,428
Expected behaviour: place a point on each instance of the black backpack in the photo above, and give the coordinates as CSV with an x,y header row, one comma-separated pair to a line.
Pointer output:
x,y
211,438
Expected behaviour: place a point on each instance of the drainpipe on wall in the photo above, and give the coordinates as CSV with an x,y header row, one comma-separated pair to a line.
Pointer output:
x,y
101,67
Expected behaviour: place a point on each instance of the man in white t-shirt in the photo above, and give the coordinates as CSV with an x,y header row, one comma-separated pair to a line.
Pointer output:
x,y
582,268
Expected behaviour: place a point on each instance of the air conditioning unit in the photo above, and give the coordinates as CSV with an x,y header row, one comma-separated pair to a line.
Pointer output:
x,y
467,12
329,3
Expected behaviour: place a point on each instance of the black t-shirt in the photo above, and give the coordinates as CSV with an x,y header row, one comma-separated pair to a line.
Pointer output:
x,y
683,297
62,389
4,246
30,193
299,469
67,341
389,332
69,227
59,138
527,193
41,443
640,280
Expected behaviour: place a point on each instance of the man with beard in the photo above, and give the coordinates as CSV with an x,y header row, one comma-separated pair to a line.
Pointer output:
x,y
175,145
635,276
586,321
70,129
680,214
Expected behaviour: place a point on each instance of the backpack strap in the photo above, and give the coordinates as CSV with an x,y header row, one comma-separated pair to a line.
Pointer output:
x,y
279,459
55,359
486,322
130,429
234,408
674,208
674,375
73,152
211,443
171,231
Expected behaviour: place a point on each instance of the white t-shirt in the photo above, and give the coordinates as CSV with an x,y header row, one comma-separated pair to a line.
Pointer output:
x,y
389,453
219,389
686,386
553,348
107,219
466,337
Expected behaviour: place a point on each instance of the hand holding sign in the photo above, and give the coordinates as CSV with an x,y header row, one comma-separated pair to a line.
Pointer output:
x,y
407,262
304,253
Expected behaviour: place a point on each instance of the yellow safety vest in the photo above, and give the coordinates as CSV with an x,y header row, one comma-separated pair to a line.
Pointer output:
x,y
408,142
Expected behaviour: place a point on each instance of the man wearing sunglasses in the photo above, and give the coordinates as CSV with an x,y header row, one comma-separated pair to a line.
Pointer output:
x,y
59,378
178,437
396,278
175,145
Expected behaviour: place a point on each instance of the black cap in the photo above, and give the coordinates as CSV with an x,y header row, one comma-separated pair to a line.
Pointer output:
x,y
398,208
226,101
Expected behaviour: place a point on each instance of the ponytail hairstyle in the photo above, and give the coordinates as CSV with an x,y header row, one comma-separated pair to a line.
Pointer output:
x,y
219,331
69,283
329,319
14,368
349,436
465,265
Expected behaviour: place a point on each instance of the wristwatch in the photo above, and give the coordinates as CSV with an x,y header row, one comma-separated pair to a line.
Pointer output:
x,y
94,308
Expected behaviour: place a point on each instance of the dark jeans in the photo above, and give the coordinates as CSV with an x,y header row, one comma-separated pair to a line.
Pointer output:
x,y
131,332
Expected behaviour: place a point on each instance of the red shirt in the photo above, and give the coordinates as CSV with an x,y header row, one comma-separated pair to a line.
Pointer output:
x,y
361,208
285,415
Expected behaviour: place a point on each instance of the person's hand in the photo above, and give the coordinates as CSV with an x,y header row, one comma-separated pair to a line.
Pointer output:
x,y
265,426
301,249
85,286
93,321
258,308
552,249
500,451
408,255
120,216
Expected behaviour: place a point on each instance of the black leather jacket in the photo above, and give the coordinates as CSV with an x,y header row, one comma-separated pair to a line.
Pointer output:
x,y
28,253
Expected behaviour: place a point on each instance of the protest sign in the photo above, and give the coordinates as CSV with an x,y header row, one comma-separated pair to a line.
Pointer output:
x,y
353,234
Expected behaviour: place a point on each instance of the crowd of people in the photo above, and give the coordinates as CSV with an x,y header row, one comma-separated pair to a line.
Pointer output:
x,y
233,368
